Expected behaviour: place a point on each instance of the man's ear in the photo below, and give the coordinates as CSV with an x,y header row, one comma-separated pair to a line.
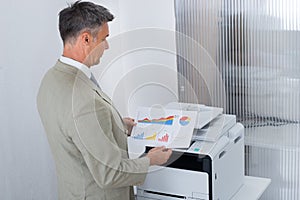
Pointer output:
x,y
85,38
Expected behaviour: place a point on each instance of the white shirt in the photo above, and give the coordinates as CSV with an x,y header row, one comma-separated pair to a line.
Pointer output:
x,y
78,65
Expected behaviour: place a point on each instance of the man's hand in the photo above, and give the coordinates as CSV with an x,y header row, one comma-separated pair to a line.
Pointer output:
x,y
159,155
129,124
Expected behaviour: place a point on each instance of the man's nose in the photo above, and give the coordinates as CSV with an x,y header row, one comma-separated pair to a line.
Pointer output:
x,y
106,45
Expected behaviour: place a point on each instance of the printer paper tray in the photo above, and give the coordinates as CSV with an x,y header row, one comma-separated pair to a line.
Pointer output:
x,y
252,188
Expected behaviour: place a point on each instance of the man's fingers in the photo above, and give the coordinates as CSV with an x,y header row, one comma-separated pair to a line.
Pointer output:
x,y
158,148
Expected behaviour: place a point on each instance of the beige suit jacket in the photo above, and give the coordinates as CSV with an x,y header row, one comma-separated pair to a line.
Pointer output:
x,y
87,138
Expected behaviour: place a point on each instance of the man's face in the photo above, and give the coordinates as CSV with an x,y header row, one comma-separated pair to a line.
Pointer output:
x,y
98,45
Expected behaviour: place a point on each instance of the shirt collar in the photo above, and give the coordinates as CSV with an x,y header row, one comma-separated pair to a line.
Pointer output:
x,y
78,65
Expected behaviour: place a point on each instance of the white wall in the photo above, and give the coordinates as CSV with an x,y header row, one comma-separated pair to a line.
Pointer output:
x,y
140,66
30,45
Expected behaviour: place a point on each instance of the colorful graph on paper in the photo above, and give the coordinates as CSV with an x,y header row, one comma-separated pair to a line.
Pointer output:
x,y
163,120
161,137
164,138
185,120
171,128
141,136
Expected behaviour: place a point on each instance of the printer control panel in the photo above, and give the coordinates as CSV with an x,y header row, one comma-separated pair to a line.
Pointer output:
x,y
196,147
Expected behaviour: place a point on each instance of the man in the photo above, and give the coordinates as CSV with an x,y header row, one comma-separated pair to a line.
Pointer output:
x,y
86,134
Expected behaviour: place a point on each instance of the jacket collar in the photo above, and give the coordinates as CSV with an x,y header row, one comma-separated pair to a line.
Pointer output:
x,y
80,75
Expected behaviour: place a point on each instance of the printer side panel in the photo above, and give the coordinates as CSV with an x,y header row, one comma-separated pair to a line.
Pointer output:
x,y
228,166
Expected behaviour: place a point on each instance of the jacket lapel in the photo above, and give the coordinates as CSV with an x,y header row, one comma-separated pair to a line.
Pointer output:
x,y
80,75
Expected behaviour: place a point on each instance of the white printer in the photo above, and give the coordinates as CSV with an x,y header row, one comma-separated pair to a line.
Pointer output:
x,y
212,168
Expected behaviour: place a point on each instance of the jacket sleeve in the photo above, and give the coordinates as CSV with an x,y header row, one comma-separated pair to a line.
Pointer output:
x,y
95,140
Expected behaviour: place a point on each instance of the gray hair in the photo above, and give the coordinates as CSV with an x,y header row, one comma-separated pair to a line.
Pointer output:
x,y
82,16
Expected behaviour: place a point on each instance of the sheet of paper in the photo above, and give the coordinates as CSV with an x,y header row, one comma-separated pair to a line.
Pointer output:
x,y
164,127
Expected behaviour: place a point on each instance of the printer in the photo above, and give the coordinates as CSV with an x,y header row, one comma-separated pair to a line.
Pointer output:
x,y
212,168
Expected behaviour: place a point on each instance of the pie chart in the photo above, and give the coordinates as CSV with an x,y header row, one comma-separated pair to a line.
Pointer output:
x,y
184,120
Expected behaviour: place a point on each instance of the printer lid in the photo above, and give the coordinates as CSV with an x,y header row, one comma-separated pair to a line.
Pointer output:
x,y
215,129
213,137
